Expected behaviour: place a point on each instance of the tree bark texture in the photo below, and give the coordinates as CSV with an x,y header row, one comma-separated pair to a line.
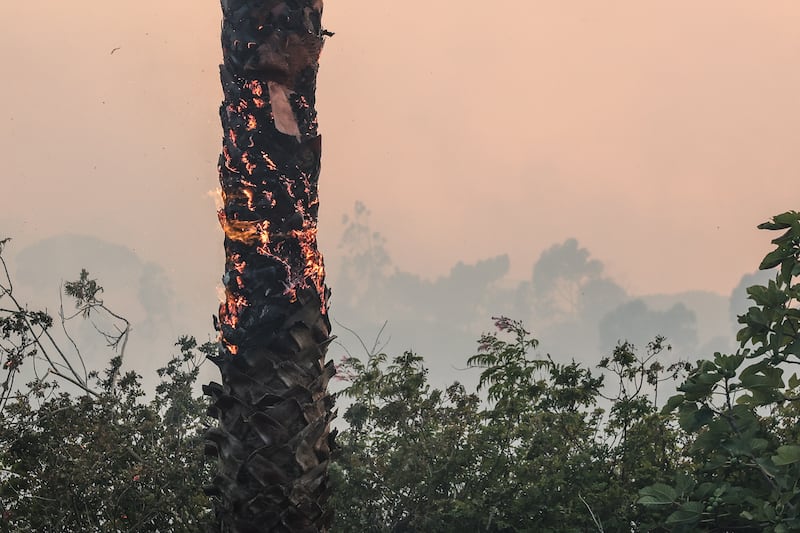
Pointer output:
x,y
272,441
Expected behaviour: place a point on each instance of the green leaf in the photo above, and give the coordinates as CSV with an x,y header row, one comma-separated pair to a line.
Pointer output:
x,y
782,221
691,418
687,515
657,494
729,363
789,218
701,384
673,403
684,483
774,258
787,455
744,334
794,349
764,381
742,446
787,266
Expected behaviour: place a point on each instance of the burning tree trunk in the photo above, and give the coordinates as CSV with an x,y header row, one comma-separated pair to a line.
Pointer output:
x,y
272,440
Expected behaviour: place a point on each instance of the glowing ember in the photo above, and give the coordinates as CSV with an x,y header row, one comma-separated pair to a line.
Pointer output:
x,y
270,164
229,310
244,231
269,169
255,87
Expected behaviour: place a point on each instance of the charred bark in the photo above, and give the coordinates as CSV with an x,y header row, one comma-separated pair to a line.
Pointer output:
x,y
272,440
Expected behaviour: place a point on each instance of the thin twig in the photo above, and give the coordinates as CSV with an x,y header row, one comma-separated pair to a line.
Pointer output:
x,y
367,351
596,521
69,337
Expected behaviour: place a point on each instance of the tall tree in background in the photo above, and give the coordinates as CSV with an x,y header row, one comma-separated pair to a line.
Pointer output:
x,y
272,441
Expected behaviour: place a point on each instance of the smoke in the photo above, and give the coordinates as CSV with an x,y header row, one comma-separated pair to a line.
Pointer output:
x,y
562,264
568,285
635,322
157,298
570,303
140,291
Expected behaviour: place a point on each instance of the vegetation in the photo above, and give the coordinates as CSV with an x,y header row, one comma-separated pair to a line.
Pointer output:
x,y
537,455
742,468
83,450
539,445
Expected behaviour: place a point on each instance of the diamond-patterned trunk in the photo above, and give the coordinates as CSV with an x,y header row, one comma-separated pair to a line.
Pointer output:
x,y
273,410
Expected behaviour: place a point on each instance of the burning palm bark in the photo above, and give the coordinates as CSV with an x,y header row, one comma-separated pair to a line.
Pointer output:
x,y
272,441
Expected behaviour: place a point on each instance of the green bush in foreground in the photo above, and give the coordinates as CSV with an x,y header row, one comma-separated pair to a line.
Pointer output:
x,y
743,469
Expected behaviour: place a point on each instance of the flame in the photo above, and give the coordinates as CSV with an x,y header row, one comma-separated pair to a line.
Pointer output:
x,y
248,165
255,87
228,160
270,163
230,309
249,194
238,263
232,348
252,184
216,195
314,268
244,231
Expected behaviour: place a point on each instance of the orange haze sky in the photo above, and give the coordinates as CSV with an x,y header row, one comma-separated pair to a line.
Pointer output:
x,y
659,134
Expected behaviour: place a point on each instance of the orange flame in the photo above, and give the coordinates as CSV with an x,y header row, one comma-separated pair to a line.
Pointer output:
x,y
228,160
270,163
255,87
231,347
229,309
238,263
245,231
248,165
249,194
314,268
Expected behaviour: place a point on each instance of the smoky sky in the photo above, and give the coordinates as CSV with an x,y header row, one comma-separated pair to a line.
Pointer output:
x,y
569,302
658,135
655,136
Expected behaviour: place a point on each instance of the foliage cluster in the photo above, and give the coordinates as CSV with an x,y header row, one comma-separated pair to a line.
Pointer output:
x,y
742,469
84,450
537,455
110,462
540,445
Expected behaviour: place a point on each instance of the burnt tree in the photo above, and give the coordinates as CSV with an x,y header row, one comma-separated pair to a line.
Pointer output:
x,y
272,440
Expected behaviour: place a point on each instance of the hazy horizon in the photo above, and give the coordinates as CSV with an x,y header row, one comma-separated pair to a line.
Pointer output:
x,y
656,135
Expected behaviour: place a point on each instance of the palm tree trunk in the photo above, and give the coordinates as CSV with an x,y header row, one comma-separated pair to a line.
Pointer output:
x,y
272,441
